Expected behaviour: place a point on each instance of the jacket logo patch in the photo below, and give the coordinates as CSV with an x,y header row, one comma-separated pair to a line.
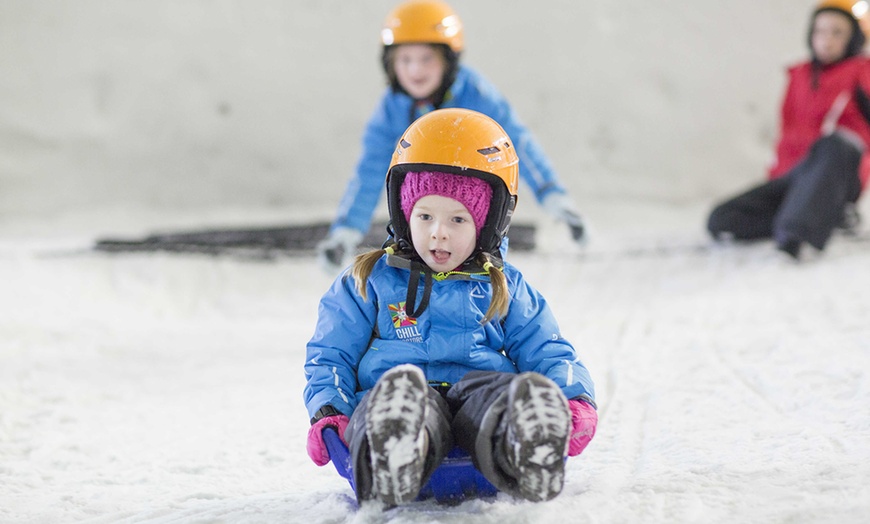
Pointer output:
x,y
406,326
477,292
400,316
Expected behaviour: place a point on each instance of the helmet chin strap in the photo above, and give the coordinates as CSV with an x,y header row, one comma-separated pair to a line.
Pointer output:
x,y
413,284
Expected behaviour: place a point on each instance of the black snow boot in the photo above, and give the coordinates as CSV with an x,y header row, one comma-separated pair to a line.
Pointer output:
x,y
791,246
851,220
536,438
396,434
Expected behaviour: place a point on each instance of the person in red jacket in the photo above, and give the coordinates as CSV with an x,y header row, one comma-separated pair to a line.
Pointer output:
x,y
820,166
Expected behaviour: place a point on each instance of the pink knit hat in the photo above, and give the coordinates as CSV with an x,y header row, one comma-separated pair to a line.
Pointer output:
x,y
473,193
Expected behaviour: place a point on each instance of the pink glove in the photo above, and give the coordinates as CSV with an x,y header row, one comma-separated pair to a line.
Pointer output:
x,y
584,419
316,447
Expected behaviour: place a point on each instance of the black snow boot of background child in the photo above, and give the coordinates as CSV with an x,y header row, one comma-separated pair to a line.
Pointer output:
x,y
396,434
538,424
851,221
791,246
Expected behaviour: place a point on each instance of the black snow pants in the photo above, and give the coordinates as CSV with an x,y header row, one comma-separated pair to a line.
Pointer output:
x,y
468,414
804,205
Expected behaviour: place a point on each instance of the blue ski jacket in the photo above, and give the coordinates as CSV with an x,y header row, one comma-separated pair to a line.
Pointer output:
x,y
357,340
394,114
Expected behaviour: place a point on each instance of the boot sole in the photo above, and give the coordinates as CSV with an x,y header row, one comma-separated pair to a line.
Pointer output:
x,y
540,421
396,435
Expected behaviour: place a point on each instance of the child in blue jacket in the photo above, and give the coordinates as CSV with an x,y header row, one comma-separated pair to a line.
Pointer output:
x,y
422,44
435,341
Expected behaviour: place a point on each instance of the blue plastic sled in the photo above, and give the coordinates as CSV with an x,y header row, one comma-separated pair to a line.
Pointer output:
x,y
455,480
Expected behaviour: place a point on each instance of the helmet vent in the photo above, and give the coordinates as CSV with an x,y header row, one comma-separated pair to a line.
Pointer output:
x,y
488,150
405,144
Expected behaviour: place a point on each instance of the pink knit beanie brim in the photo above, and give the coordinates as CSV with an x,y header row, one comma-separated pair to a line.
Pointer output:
x,y
473,193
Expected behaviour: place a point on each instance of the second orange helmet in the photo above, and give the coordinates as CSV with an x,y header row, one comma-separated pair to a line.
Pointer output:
x,y
423,22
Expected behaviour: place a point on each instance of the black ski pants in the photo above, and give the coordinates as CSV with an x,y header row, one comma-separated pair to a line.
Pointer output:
x,y
468,414
805,205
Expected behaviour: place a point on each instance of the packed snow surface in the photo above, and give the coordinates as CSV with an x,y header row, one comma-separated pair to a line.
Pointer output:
x,y
732,383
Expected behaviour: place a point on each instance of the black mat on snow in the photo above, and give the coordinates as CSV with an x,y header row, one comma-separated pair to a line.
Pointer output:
x,y
290,240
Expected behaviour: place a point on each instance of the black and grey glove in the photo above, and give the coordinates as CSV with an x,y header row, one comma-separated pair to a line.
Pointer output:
x,y
336,251
560,207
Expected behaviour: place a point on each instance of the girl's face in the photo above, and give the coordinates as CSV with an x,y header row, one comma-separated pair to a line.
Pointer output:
x,y
442,231
419,69
831,35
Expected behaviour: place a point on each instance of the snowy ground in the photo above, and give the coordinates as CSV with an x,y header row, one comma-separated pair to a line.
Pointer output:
x,y
733,385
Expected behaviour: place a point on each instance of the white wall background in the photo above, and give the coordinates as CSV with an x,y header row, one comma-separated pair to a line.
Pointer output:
x,y
202,104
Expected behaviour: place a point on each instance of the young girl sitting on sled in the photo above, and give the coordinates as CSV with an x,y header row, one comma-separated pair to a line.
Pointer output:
x,y
434,341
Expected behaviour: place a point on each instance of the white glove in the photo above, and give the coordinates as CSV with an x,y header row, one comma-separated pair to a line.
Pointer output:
x,y
560,207
336,251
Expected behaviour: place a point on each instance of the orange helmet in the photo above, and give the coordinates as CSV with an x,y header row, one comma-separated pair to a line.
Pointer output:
x,y
858,9
461,142
423,22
